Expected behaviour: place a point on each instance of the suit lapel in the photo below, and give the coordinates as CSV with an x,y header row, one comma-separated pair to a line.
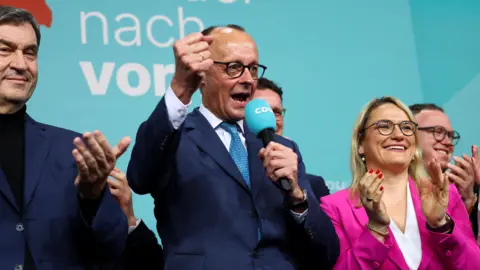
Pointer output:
x,y
256,169
395,254
427,251
37,146
358,212
6,191
205,137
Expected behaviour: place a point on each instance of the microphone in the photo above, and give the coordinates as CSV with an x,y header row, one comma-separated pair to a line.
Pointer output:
x,y
261,121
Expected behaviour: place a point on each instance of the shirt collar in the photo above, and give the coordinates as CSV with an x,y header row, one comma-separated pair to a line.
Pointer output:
x,y
214,120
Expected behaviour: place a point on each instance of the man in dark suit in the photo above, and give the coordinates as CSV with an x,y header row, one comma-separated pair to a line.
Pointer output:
x,y
437,140
142,250
216,203
55,209
273,94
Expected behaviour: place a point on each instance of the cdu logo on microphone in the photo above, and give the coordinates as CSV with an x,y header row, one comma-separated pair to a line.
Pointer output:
x,y
263,110
259,116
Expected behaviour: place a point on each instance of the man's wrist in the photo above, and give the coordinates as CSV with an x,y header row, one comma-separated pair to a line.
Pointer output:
x,y
182,91
91,192
297,195
297,201
470,202
132,221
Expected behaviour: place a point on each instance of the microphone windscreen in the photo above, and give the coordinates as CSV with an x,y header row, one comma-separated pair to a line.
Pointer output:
x,y
259,116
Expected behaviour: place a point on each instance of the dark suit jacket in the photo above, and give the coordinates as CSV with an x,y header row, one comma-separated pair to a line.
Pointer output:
x,y
474,214
141,252
319,187
52,223
207,217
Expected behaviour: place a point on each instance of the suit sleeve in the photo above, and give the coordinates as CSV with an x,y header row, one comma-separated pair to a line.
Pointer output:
x,y
318,228
319,187
102,237
142,250
459,249
155,142
366,252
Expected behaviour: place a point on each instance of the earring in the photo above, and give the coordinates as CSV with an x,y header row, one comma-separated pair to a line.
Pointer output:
x,y
363,159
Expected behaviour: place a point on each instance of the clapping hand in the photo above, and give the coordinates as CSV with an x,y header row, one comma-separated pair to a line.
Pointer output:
x,y
462,174
434,195
118,185
476,164
95,160
371,192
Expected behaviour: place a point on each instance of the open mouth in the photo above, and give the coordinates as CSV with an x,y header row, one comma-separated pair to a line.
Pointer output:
x,y
441,151
241,98
397,148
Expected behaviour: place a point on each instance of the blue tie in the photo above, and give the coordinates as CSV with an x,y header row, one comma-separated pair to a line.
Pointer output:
x,y
237,151
239,155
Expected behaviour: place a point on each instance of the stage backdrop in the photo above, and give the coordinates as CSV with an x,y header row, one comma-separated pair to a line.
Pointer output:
x,y
105,64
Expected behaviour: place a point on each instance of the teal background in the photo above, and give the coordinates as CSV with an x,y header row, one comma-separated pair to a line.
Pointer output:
x,y
331,57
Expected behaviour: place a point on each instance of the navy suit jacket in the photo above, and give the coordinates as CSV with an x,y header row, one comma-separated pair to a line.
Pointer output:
x,y
319,187
474,214
142,252
52,223
207,217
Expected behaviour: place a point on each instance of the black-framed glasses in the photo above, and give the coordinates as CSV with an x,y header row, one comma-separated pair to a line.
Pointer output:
x,y
279,113
386,127
440,132
236,69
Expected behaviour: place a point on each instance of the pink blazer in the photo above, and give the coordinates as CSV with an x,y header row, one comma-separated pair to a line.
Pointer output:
x,y
359,249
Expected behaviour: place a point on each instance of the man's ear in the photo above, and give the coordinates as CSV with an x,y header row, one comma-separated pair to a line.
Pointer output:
x,y
202,82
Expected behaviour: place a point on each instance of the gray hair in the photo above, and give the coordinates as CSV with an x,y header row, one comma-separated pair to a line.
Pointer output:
x,y
17,16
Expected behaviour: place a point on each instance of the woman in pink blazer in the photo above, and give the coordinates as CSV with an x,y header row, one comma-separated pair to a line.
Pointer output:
x,y
395,216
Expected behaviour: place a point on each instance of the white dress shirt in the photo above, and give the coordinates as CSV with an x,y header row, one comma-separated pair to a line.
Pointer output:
x,y
409,241
132,228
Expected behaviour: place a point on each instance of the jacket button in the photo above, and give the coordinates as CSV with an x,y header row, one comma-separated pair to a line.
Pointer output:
x,y
310,233
253,213
255,254
19,227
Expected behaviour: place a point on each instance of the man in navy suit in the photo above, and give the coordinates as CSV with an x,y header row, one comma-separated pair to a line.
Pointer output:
x,y
142,250
272,93
55,209
216,203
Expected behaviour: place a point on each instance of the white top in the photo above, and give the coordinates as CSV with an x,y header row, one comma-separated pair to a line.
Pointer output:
x,y
409,242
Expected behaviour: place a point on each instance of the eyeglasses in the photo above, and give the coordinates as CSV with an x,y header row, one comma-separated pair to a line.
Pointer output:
x,y
440,132
278,113
236,69
386,127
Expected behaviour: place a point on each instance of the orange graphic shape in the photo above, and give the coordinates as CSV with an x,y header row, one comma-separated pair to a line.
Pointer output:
x,y
39,9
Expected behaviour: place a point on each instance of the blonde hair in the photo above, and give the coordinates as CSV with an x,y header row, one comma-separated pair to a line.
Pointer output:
x,y
415,169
